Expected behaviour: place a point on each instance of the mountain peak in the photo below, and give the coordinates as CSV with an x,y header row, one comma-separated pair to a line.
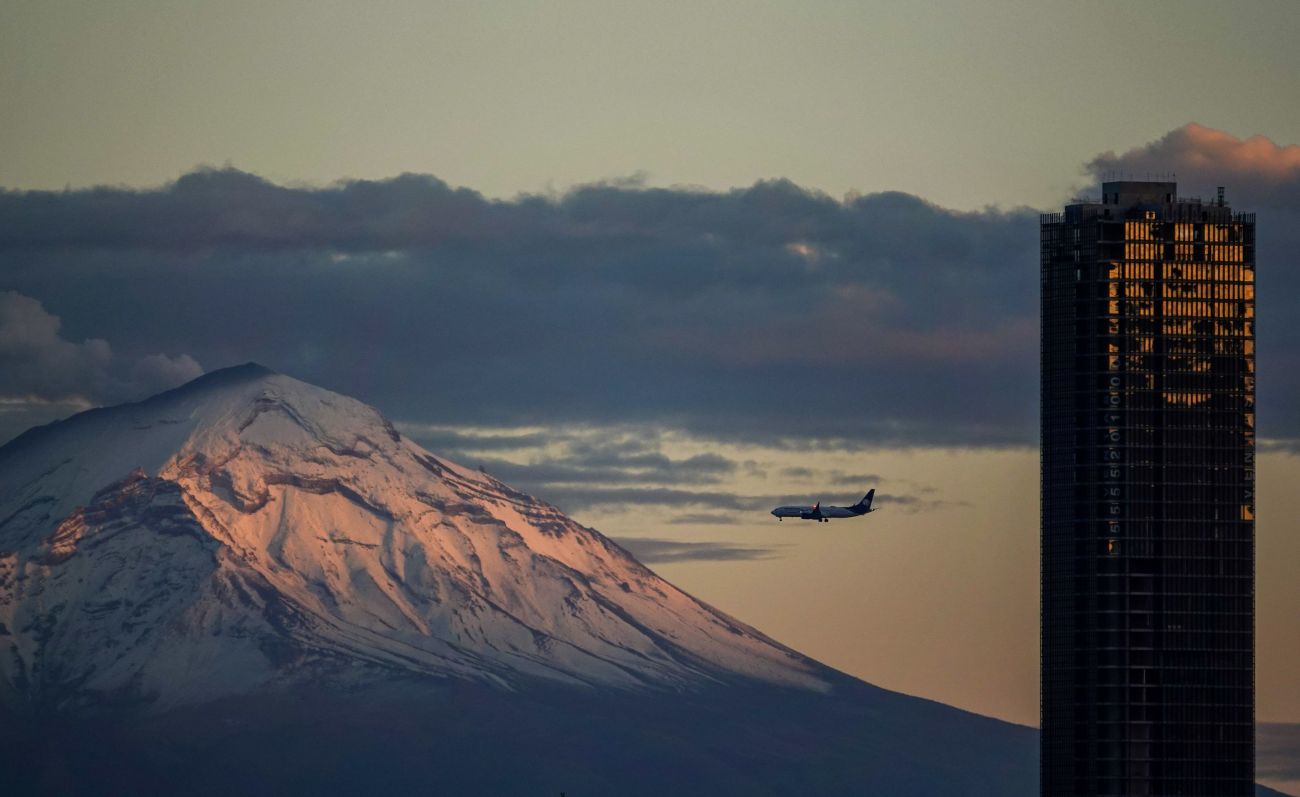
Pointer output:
x,y
248,370
221,377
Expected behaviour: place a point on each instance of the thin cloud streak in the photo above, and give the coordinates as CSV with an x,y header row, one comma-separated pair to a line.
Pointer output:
x,y
704,519
576,499
659,551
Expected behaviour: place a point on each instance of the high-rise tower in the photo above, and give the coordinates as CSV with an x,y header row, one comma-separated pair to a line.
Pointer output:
x,y
1148,502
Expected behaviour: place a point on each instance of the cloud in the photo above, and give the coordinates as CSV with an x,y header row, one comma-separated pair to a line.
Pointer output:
x,y
214,208
157,372
1203,153
703,519
1260,176
912,504
1278,753
574,456
569,470
45,376
615,469
36,361
856,479
576,499
656,551
616,498
611,303
1289,445
441,439
772,314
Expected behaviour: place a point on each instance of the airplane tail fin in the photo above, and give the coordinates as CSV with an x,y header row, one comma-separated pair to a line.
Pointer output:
x,y
864,506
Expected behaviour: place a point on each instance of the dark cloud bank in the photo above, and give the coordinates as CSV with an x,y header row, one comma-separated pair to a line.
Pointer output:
x,y
771,313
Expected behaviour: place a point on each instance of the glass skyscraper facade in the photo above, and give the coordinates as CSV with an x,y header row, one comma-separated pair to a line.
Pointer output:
x,y
1148,502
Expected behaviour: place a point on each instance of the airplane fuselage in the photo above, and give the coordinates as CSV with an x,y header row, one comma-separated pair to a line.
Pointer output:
x,y
814,513
825,513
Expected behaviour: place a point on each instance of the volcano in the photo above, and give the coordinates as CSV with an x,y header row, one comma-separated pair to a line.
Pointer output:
x,y
252,585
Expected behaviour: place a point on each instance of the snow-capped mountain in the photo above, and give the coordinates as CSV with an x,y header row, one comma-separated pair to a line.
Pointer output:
x,y
248,529
250,585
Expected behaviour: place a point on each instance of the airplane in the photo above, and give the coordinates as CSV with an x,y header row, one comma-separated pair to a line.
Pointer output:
x,y
823,514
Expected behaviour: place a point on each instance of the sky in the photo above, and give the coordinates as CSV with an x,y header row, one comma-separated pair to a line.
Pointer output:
x,y
664,266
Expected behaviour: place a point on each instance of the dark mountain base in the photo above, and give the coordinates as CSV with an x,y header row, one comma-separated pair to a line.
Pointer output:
x,y
458,739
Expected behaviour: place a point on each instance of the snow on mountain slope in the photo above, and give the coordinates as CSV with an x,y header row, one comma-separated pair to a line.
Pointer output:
x,y
247,529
